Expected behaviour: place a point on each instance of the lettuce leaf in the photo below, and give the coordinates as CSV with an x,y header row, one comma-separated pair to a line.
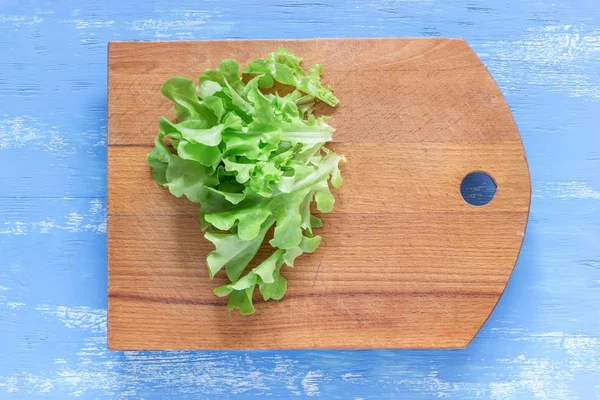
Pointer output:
x,y
255,162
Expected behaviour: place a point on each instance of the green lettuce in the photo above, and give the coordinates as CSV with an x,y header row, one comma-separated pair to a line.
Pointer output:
x,y
255,161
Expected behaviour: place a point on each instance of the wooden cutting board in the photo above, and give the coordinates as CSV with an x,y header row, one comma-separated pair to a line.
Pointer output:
x,y
405,262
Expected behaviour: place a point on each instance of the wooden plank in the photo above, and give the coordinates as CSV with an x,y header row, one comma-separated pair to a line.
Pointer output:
x,y
139,249
405,261
345,320
423,88
419,184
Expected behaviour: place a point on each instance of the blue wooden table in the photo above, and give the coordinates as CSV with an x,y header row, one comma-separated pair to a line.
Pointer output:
x,y
541,342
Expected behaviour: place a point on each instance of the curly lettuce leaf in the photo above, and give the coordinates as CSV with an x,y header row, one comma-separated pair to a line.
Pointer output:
x,y
255,162
285,68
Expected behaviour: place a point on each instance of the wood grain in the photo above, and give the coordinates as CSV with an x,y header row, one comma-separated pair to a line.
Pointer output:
x,y
405,261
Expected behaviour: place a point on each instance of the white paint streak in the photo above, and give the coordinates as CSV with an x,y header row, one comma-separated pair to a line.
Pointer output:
x,y
352,378
310,383
565,190
98,145
89,319
562,57
550,379
572,355
508,331
14,228
15,305
10,304
57,143
578,345
285,367
101,228
74,220
18,132
49,225
186,24
92,221
18,21
502,390
34,384
168,28
88,24
96,206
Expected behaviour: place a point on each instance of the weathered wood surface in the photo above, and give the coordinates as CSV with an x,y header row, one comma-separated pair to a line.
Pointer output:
x,y
543,339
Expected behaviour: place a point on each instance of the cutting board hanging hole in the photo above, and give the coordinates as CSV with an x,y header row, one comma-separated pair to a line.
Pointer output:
x,y
478,188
